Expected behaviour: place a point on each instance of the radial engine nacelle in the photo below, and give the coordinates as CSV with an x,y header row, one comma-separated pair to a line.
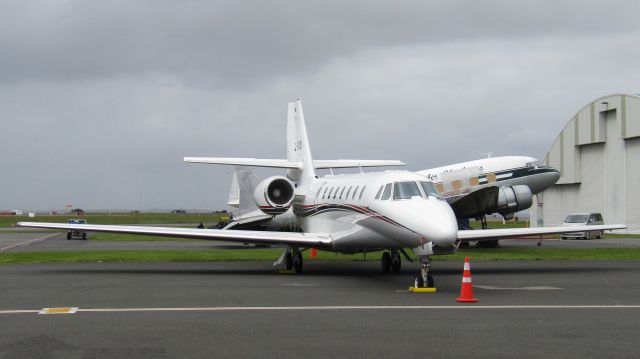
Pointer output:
x,y
512,199
274,195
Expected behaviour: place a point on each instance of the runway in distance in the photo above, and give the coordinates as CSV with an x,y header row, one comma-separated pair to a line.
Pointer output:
x,y
350,213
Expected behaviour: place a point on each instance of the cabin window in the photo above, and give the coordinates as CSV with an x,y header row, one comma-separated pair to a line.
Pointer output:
x,y
319,191
362,191
387,192
354,192
342,192
346,196
379,192
405,190
430,190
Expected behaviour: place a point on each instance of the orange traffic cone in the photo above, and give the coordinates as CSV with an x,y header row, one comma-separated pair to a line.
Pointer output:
x,y
466,291
314,253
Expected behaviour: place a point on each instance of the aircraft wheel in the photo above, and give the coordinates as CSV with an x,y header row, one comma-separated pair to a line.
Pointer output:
x,y
385,262
297,262
68,235
288,261
488,244
429,281
418,282
396,263
84,236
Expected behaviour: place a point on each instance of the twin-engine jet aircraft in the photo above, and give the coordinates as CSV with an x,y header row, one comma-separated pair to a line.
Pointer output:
x,y
365,212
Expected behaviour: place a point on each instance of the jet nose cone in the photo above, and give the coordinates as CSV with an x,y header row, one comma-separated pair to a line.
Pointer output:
x,y
438,223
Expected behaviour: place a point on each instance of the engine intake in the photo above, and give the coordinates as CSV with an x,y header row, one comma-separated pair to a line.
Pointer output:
x,y
274,195
512,199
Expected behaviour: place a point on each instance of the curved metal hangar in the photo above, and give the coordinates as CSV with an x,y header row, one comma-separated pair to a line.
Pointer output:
x,y
598,155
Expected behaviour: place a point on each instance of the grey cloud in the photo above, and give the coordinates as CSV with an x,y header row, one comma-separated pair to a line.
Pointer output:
x,y
99,101
236,44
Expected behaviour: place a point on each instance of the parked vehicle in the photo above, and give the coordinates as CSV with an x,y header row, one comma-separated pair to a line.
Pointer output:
x,y
75,234
580,219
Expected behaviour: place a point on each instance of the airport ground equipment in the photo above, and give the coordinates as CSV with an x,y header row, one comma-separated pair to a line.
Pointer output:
x,y
77,234
466,291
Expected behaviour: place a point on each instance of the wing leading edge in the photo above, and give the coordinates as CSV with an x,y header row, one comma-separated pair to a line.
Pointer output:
x,y
488,234
277,163
266,237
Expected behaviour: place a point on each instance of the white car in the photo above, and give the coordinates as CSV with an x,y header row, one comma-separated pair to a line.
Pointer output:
x,y
581,219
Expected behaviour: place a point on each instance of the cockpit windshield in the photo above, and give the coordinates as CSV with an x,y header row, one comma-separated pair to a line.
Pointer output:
x,y
430,190
405,190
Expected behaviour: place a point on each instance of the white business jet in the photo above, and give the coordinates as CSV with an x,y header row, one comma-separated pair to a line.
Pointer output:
x,y
351,213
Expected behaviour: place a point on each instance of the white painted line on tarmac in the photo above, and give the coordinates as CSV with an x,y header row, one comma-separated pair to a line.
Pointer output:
x,y
26,243
19,311
327,308
490,287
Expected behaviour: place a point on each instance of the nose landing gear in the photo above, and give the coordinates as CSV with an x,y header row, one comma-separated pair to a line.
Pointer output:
x,y
424,279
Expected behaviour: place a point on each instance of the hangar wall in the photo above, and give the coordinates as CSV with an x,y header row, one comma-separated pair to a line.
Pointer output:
x,y
598,156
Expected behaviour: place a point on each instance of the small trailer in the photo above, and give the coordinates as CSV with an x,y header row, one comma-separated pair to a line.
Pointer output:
x,y
75,234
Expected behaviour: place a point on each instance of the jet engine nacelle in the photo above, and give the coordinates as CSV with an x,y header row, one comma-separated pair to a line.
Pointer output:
x,y
512,199
274,195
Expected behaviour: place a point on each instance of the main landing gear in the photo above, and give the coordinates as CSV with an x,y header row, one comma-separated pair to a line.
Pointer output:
x,y
290,259
424,279
391,261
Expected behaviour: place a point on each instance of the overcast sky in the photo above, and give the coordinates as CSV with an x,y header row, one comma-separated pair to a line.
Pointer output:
x,y
101,100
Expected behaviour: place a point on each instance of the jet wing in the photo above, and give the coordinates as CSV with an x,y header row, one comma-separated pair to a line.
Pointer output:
x,y
489,234
263,237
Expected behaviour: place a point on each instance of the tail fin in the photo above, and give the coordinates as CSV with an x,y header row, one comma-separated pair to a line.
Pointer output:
x,y
298,149
244,183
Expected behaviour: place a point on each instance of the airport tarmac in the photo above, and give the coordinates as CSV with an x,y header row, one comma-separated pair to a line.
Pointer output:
x,y
529,309
30,241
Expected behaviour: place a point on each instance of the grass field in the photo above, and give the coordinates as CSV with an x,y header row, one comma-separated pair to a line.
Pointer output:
x,y
120,218
271,254
208,255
